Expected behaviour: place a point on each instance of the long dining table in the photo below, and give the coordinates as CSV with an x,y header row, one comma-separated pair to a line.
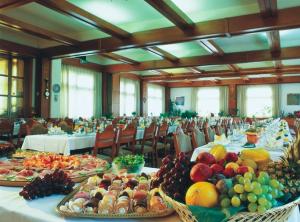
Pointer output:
x,y
66,143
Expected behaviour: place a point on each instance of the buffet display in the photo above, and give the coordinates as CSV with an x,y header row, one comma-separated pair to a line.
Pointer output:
x,y
115,196
18,172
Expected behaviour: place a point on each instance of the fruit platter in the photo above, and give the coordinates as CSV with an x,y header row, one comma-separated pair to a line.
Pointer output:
x,y
22,154
115,196
233,186
18,172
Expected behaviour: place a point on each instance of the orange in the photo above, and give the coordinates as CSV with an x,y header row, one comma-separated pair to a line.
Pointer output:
x,y
202,194
232,165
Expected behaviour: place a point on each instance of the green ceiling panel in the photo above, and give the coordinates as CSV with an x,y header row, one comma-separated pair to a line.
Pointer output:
x,y
177,70
249,42
291,62
251,65
46,18
186,49
204,10
102,60
290,38
287,3
139,55
213,67
130,15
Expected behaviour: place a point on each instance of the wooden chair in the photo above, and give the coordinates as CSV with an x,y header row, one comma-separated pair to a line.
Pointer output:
x,y
6,129
21,135
126,138
36,129
106,139
147,145
161,143
198,138
182,143
65,127
209,133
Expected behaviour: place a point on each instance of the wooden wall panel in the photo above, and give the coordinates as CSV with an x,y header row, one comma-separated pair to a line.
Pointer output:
x,y
144,90
106,93
167,98
28,68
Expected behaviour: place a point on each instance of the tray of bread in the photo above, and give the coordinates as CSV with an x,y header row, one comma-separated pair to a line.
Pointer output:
x,y
112,196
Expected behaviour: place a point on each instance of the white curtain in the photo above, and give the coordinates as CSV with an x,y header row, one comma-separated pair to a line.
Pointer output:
x,y
207,100
80,92
129,96
156,99
258,100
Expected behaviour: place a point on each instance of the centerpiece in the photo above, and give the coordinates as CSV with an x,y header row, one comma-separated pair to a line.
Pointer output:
x,y
252,135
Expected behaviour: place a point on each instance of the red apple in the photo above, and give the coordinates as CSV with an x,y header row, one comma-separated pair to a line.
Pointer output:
x,y
229,172
216,168
231,157
221,162
242,170
200,172
206,158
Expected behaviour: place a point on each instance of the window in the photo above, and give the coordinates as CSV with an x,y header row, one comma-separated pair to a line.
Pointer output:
x,y
128,96
259,101
78,92
208,101
11,87
156,99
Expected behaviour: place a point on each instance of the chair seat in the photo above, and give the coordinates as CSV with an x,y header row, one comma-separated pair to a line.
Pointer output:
x,y
147,149
160,146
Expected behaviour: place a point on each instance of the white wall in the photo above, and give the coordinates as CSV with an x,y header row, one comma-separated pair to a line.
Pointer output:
x,y
55,97
187,93
286,89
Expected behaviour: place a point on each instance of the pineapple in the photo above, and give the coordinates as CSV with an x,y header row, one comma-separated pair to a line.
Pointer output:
x,y
287,171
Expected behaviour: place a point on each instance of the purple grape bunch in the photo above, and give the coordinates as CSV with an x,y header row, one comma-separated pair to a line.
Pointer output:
x,y
56,183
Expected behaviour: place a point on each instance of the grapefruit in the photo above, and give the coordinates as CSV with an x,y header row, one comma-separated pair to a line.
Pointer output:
x,y
202,194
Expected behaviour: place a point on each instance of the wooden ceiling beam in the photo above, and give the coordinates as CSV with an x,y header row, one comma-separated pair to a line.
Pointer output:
x,y
286,19
226,73
13,48
268,8
119,58
250,81
11,4
229,58
73,11
162,53
34,30
173,13
195,70
234,67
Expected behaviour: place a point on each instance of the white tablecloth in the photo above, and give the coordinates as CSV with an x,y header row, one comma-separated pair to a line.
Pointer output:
x,y
14,208
58,143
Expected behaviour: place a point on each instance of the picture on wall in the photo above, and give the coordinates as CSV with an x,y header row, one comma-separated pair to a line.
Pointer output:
x,y
293,99
179,101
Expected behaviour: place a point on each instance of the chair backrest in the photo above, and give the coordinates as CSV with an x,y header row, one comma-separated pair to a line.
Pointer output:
x,y
198,138
36,129
65,126
109,127
31,122
127,135
105,139
182,143
162,130
6,126
149,132
209,133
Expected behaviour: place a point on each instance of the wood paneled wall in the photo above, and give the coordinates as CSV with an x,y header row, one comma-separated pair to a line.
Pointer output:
x,y
116,94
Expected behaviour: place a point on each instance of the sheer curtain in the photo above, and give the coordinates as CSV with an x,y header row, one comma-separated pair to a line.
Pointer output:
x,y
207,100
80,92
129,96
259,100
156,99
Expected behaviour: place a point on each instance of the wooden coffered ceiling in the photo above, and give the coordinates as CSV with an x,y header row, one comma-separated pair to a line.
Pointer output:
x,y
160,40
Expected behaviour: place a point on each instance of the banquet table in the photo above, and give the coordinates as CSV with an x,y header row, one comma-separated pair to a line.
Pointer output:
x,y
59,143
266,140
15,209
66,143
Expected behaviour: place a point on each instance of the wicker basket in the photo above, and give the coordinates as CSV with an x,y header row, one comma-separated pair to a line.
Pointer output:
x,y
275,214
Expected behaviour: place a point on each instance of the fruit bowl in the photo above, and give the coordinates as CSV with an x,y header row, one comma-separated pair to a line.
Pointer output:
x,y
185,213
129,164
280,213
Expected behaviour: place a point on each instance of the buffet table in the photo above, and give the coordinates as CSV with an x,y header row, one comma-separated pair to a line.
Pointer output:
x,y
15,209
